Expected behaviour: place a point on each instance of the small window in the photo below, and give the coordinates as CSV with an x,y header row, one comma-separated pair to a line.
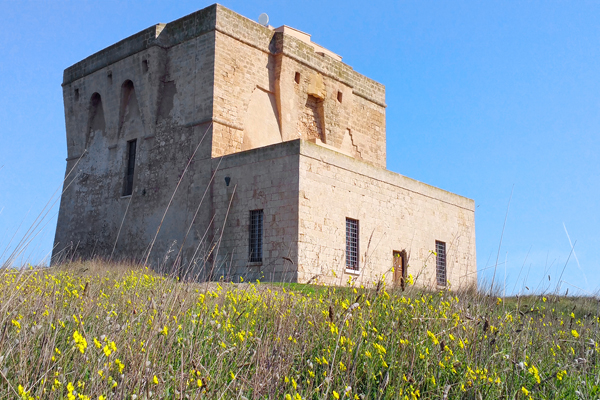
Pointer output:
x,y
352,244
339,96
76,94
297,77
128,187
145,66
440,263
256,236
109,77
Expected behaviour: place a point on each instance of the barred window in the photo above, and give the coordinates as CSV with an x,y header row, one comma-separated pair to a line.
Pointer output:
x,y
440,262
352,244
128,187
256,236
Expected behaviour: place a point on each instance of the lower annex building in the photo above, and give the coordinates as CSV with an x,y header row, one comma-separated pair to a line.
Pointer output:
x,y
225,148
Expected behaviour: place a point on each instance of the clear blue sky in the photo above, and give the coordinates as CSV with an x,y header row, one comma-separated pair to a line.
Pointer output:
x,y
482,97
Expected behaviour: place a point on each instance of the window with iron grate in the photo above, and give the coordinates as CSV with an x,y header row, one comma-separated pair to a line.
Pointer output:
x,y
352,244
256,236
128,187
440,262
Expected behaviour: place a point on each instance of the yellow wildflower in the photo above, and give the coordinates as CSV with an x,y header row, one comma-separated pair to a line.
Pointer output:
x,y
120,365
80,342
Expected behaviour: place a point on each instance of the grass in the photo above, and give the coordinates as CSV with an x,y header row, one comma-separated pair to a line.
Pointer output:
x,y
115,331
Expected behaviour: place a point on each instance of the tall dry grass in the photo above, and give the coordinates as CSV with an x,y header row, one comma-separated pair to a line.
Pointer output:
x,y
114,331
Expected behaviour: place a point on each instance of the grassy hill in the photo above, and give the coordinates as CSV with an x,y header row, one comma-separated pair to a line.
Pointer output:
x,y
99,331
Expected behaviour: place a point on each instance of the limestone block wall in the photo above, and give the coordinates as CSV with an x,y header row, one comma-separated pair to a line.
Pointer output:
x,y
160,97
243,73
349,107
261,179
272,87
395,213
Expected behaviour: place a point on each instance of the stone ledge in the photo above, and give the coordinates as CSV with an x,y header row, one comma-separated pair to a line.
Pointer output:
x,y
325,155
221,19
260,154
162,35
337,159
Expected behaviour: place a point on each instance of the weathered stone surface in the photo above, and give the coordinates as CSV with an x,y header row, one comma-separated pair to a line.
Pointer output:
x,y
230,116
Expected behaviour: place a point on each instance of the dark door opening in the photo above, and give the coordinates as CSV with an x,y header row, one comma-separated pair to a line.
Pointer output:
x,y
400,268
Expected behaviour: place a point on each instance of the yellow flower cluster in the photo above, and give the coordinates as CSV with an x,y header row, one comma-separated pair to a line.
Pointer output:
x,y
80,342
175,339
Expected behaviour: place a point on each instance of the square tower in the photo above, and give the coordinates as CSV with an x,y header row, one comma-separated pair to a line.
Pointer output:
x,y
222,148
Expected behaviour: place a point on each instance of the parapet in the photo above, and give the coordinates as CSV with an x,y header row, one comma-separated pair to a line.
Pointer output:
x,y
305,37
286,40
163,35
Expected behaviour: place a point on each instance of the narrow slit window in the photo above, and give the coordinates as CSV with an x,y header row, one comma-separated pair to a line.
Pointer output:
x,y
256,236
297,77
440,263
128,189
352,244
339,96
145,66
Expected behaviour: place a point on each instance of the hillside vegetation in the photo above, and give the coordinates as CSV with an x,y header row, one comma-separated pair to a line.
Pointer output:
x,y
98,331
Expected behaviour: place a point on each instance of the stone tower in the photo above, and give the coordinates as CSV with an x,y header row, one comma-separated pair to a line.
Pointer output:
x,y
219,145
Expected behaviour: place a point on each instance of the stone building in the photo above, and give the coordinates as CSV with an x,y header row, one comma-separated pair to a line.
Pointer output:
x,y
241,150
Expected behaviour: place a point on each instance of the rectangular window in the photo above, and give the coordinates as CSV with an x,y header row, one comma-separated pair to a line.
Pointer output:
x,y
128,187
352,244
256,236
440,263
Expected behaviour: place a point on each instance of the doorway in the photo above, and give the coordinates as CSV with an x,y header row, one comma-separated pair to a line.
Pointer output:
x,y
400,268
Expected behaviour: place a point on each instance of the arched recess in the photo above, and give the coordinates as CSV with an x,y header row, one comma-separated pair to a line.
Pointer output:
x,y
261,126
130,121
310,120
96,123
